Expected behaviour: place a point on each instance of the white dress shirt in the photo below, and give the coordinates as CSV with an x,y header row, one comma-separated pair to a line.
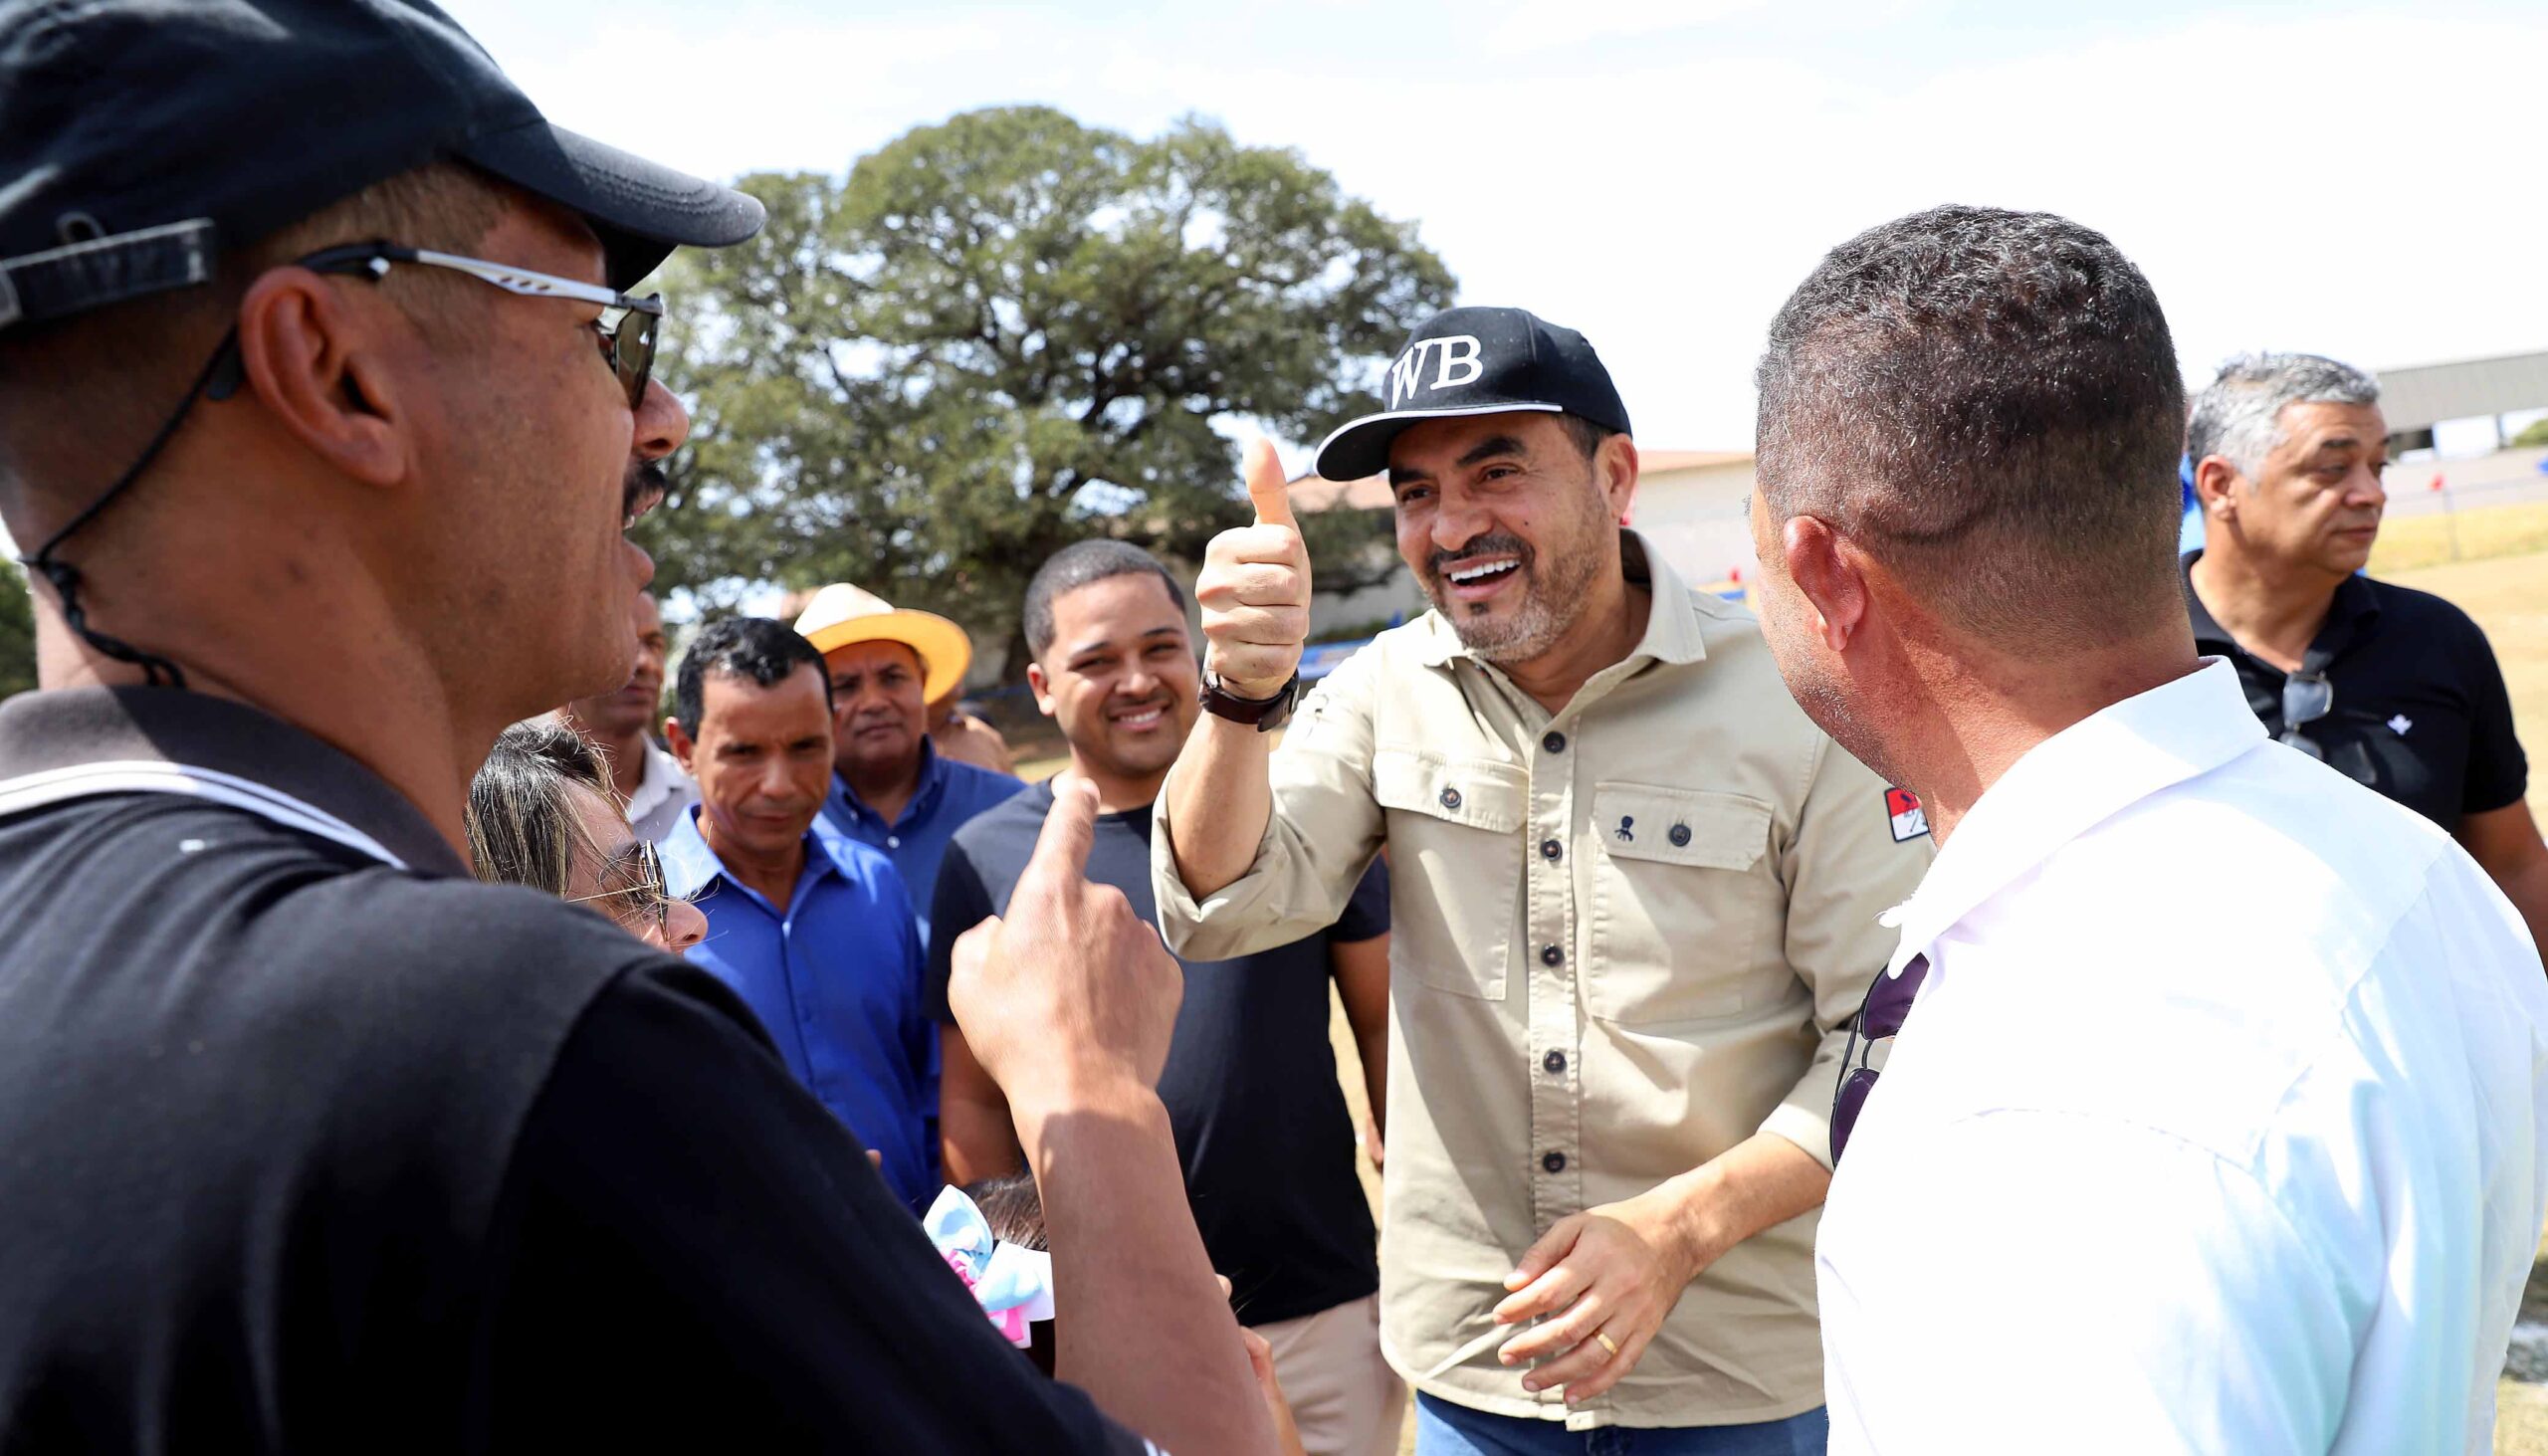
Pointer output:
x,y
663,795
2217,1125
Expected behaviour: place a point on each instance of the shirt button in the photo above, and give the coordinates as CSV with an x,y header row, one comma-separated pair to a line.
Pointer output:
x,y
1551,956
1679,836
1555,1162
1554,1063
1549,849
895,841
1554,742
1450,798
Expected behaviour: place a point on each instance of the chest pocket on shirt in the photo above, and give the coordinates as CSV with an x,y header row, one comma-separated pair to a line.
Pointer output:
x,y
1683,907
1456,861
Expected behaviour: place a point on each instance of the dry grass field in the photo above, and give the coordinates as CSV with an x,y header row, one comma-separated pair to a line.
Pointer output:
x,y
2509,595
2410,542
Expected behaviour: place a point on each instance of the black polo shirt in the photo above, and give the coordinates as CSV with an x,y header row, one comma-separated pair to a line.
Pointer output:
x,y
309,1142
2421,712
1250,1082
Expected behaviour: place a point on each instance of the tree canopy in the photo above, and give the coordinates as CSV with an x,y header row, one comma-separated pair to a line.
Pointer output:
x,y
1011,331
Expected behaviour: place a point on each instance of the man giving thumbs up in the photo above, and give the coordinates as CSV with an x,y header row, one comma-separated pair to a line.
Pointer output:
x,y
1635,900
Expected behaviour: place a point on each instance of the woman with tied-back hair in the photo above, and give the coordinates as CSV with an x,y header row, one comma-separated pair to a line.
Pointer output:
x,y
541,815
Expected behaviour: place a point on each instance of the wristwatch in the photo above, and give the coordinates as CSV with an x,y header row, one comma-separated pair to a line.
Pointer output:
x,y
1267,713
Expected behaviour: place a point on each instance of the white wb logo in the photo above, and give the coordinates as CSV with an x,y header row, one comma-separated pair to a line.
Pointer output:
x,y
1455,363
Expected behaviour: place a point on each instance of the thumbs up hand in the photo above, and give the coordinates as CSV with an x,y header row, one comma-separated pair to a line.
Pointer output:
x,y
1254,589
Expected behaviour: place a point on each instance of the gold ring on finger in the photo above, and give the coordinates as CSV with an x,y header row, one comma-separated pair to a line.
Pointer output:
x,y
1606,1342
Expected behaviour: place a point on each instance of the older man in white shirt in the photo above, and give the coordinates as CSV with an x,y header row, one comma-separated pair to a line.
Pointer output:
x,y
2149,1171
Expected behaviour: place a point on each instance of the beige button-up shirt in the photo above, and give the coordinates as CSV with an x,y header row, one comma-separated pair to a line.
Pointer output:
x,y
1626,937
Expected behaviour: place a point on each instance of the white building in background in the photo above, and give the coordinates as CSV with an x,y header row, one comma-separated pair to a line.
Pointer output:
x,y
1689,502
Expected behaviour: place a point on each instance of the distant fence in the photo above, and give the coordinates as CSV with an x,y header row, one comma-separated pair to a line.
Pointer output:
x,y
2414,502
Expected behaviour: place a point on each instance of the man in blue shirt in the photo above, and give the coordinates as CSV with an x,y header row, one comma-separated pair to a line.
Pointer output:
x,y
893,791
814,931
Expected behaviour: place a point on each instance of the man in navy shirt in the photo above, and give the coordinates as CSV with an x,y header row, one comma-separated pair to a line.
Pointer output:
x,y
814,931
1250,1083
892,790
2396,689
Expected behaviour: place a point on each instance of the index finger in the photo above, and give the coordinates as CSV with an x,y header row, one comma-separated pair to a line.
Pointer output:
x,y
1266,488
1061,850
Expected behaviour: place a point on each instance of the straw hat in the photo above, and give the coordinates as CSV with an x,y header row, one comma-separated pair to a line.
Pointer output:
x,y
841,614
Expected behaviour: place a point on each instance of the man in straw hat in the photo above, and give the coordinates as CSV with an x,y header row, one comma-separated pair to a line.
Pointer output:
x,y
892,790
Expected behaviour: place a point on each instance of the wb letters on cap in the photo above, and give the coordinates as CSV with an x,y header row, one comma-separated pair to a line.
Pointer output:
x,y
1475,361
1456,364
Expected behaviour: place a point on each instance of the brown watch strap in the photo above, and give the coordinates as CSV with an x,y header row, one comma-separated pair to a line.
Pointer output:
x,y
1262,714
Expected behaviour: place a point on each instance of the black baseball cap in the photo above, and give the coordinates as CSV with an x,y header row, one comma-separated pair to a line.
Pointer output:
x,y
1476,361
138,138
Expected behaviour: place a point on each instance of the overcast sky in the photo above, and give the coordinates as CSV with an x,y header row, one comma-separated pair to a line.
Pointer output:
x,y
2364,181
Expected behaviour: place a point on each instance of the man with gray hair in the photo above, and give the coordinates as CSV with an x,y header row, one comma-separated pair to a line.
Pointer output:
x,y
2395,689
2304,1152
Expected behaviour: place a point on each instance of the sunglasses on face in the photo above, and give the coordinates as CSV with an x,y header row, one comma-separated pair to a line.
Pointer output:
x,y
640,899
1888,1002
627,326
2306,698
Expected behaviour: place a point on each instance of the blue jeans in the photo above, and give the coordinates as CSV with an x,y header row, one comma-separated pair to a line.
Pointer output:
x,y
1445,1429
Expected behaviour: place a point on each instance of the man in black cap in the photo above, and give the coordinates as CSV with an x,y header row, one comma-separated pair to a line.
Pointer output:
x,y
323,407
1636,900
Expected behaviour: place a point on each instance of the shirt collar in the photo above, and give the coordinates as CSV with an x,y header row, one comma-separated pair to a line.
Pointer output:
x,y
691,867
657,777
925,796
830,846
76,743
2206,632
2350,613
1672,632
2073,781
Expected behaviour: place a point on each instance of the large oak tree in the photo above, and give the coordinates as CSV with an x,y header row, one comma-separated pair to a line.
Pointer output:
x,y
1011,331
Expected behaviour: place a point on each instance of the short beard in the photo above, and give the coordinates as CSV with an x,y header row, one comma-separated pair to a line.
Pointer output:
x,y
1551,605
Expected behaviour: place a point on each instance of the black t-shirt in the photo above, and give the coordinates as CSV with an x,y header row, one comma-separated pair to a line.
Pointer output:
x,y
2421,712
1250,1084
309,1144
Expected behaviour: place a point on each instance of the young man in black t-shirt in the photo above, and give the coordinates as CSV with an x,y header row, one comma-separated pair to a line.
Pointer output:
x,y
1251,1080
2394,688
